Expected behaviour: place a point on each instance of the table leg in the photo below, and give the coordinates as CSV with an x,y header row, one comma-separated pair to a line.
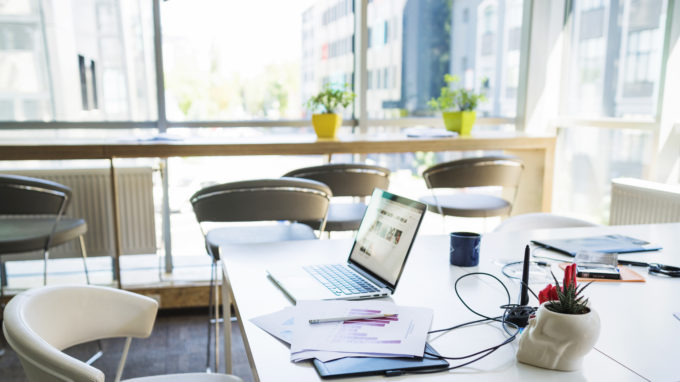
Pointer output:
x,y
117,243
535,189
226,314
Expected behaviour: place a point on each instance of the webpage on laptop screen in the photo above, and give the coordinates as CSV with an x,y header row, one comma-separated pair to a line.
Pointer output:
x,y
384,238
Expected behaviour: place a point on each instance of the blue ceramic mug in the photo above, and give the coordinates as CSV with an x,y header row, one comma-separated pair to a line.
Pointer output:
x,y
465,249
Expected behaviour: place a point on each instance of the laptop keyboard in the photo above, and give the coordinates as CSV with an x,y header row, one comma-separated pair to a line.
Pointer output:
x,y
339,279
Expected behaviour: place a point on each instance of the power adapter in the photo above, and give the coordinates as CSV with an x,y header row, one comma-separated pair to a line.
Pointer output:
x,y
518,314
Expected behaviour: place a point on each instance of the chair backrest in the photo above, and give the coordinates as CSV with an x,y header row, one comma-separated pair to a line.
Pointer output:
x,y
498,170
21,195
262,200
41,322
347,179
540,220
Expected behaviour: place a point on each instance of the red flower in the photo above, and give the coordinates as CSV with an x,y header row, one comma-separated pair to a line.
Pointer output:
x,y
550,291
569,277
547,294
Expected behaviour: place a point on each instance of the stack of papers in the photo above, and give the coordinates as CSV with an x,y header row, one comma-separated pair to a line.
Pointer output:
x,y
429,132
403,334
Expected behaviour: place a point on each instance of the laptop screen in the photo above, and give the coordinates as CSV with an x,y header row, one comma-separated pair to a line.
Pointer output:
x,y
386,235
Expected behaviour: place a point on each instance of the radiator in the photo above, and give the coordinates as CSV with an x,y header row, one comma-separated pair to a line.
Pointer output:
x,y
636,201
91,200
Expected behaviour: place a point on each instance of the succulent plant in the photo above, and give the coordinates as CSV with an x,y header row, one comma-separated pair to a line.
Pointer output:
x,y
568,298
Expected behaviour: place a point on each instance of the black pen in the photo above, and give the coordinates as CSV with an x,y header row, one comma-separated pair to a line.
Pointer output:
x,y
634,263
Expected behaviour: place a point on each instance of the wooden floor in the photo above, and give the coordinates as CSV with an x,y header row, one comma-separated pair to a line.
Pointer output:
x,y
177,345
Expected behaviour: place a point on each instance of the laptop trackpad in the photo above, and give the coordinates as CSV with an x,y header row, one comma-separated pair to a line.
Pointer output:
x,y
301,285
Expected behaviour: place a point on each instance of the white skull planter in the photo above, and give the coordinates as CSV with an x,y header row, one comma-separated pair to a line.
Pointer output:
x,y
558,341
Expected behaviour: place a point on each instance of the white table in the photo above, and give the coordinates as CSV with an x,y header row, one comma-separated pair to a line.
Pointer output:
x,y
639,338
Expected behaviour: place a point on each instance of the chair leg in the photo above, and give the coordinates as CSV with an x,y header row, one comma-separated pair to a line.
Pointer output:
x,y
83,253
46,255
210,314
3,273
96,355
216,304
2,311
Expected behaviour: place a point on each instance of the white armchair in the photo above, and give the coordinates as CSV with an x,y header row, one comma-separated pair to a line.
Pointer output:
x,y
41,322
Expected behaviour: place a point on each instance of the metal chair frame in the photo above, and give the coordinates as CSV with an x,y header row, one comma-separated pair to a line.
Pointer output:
x,y
206,193
376,175
474,164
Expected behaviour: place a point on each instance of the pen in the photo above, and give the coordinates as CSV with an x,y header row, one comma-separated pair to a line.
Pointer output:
x,y
349,318
634,263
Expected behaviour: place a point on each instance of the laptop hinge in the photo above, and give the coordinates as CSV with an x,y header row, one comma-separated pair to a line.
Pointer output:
x,y
369,277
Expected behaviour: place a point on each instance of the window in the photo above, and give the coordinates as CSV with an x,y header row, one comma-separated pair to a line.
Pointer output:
x,y
616,58
589,157
233,61
96,65
431,44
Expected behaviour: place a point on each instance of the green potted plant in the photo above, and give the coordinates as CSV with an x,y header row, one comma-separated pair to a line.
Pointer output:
x,y
457,106
324,105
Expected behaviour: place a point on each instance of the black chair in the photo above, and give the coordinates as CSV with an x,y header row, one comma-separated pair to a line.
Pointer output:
x,y
272,200
32,219
347,179
498,170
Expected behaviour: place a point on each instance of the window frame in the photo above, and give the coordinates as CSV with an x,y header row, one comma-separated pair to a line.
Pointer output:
x,y
359,116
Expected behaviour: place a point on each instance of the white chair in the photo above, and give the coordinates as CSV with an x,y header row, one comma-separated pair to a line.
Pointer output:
x,y
41,322
540,220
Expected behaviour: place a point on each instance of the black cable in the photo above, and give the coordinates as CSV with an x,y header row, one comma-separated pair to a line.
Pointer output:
x,y
455,289
465,324
505,267
482,353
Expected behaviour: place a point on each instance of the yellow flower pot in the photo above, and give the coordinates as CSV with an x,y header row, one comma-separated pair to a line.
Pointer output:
x,y
460,122
326,125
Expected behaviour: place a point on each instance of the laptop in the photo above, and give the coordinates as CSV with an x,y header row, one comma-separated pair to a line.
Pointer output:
x,y
376,260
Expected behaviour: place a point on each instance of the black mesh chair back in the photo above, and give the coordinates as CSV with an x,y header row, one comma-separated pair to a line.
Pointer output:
x,y
498,170
346,179
288,199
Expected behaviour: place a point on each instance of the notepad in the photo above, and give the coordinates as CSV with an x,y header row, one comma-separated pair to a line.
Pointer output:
x,y
356,366
603,243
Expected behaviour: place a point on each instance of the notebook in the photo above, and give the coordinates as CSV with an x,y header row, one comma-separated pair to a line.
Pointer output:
x,y
376,260
603,243
356,366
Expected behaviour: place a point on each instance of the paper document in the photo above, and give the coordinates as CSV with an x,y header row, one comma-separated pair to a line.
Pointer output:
x,y
403,334
280,325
